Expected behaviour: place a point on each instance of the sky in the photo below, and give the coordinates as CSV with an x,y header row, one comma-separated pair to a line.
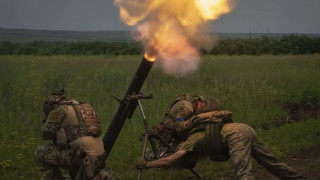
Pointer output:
x,y
256,16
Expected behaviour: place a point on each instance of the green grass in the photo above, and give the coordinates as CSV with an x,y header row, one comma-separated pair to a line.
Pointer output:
x,y
252,87
293,137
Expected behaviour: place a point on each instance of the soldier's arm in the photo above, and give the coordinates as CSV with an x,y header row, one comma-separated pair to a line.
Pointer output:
x,y
52,124
167,160
49,130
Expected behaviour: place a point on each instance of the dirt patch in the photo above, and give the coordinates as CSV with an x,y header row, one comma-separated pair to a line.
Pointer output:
x,y
306,162
296,112
301,111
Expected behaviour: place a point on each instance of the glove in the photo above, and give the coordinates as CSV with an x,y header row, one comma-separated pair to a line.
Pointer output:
x,y
142,164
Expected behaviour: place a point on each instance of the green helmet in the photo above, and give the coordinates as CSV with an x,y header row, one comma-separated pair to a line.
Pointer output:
x,y
53,101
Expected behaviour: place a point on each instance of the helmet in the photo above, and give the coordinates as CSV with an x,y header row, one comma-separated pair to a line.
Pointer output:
x,y
53,101
181,110
212,104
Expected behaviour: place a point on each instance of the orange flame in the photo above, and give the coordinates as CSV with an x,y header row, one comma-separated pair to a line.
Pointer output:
x,y
149,57
171,29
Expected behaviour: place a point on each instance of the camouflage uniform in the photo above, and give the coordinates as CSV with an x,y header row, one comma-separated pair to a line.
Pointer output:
x,y
210,132
83,157
242,143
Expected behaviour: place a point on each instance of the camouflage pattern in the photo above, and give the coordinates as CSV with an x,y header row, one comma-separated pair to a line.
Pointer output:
x,y
186,97
165,129
178,121
84,120
243,143
52,101
88,120
54,120
181,109
187,113
50,159
183,129
235,140
194,104
83,157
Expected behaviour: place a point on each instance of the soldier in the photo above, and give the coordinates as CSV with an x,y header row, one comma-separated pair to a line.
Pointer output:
x,y
74,130
205,131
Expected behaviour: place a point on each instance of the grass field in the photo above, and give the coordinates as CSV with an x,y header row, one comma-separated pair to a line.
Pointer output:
x,y
277,95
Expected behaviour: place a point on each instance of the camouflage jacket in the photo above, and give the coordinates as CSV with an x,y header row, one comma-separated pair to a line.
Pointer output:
x,y
62,116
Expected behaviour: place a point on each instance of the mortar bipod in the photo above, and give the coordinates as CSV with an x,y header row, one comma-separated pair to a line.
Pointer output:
x,y
148,131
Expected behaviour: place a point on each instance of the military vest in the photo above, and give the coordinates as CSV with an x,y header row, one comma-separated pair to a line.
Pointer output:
x,y
89,124
211,123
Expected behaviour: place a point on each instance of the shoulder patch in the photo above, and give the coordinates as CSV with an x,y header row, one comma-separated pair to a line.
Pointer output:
x,y
56,115
53,117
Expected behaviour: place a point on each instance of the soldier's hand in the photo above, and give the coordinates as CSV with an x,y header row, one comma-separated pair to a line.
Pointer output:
x,y
142,164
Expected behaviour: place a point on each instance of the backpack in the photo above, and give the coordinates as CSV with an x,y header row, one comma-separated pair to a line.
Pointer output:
x,y
89,124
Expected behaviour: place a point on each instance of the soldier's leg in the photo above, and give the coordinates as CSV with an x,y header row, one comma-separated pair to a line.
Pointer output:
x,y
50,159
264,157
239,140
49,167
87,167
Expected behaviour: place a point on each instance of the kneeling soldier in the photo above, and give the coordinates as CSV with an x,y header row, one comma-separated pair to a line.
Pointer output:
x,y
74,130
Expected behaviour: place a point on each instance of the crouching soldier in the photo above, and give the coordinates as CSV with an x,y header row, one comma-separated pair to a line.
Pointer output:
x,y
203,130
74,130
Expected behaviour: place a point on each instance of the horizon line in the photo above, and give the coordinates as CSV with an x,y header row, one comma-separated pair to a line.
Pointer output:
x,y
220,32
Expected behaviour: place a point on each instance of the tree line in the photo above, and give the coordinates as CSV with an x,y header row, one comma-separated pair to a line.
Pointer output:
x,y
292,44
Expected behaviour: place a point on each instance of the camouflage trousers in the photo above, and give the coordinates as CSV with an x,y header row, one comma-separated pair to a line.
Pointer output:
x,y
50,159
243,143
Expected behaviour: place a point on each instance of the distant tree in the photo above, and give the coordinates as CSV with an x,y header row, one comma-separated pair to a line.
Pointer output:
x,y
291,44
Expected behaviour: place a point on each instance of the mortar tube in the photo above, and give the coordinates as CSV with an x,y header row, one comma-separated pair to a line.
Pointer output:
x,y
126,109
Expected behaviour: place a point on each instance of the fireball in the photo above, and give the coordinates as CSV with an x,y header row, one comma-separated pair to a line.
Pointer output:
x,y
172,31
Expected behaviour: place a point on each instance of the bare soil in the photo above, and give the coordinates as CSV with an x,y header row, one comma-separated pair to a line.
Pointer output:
x,y
306,161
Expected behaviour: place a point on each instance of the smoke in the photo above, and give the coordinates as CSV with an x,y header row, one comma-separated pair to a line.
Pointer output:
x,y
175,54
173,31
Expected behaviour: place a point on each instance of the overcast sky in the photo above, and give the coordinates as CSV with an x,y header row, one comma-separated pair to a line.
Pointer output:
x,y
280,16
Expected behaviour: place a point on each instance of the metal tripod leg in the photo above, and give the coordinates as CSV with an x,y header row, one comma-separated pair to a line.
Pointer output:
x,y
145,141
148,130
146,138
